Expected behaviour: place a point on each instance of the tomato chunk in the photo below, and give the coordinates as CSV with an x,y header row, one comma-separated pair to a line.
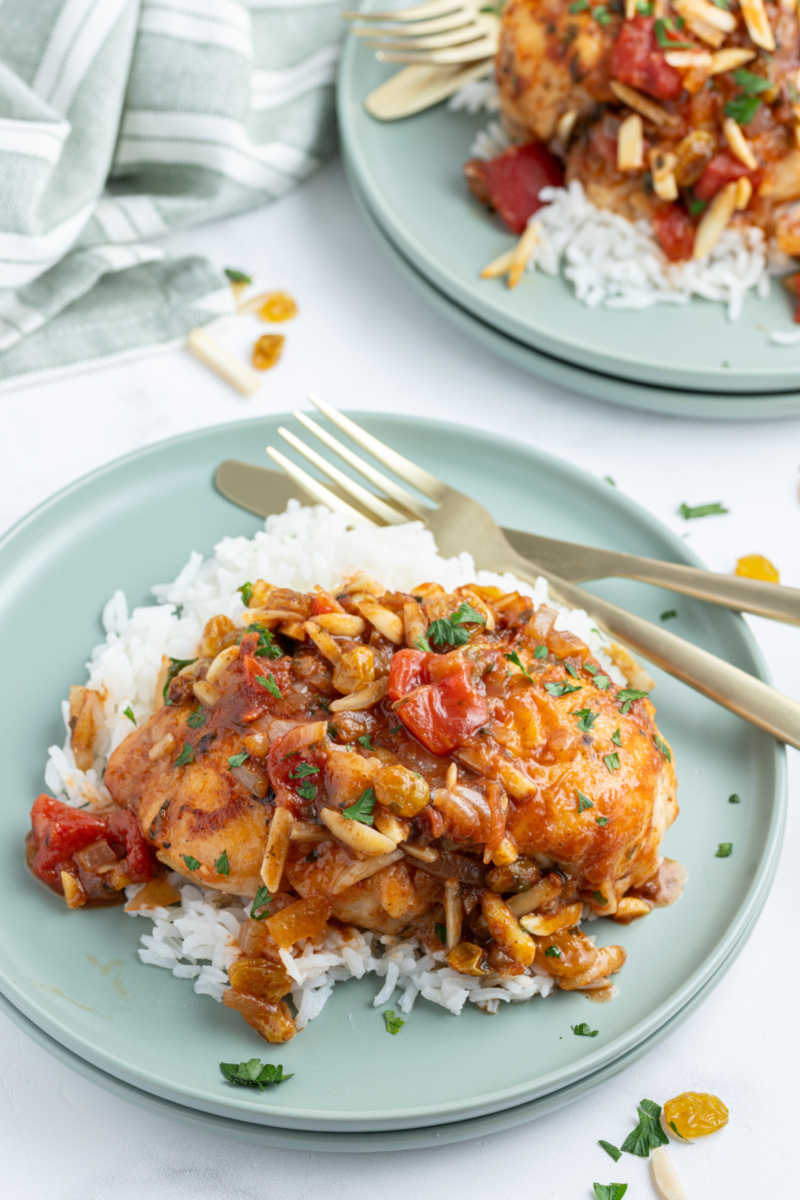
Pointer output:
x,y
406,673
638,60
511,183
675,232
444,714
722,169
59,831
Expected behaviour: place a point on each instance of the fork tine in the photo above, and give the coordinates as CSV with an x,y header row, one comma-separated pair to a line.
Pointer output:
x,y
408,471
374,505
316,490
472,52
455,20
387,485
433,8
434,41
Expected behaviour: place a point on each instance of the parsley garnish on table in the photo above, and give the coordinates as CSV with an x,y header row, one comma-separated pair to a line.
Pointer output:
x,y
393,1023
690,513
254,1073
609,1191
611,1150
724,850
583,1030
648,1134
235,276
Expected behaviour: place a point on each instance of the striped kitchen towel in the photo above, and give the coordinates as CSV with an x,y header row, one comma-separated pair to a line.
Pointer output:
x,y
121,120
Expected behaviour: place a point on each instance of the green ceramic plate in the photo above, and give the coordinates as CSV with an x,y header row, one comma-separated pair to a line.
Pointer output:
x,y
76,974
410,173
624,392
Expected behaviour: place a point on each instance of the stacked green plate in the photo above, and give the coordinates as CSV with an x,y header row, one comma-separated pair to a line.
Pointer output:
x,y
75,976
687,359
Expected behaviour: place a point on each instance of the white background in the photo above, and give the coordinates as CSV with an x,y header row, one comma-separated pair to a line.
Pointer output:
x,y
366,341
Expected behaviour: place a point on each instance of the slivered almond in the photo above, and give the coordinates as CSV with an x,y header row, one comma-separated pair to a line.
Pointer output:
x,y
388,824
715,220
308,831
642,104
729,59
280,828
451,778
522,252
205,692
630,144
226,365
355,834
506,853
362,870
666,1179
422,853
362,699
788,6
384,620
631,907
454,911
414,623
498,266
662,169
707,13
758,26
223,660
341,624
630,9
161,747
327,647
544,926
74,893
566,124
698,60
744,192
738,143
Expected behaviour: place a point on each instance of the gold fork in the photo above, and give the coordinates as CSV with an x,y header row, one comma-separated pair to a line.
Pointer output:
x,y
443,33
460,523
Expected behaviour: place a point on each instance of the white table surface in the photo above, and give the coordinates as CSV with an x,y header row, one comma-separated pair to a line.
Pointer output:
x,y
365,340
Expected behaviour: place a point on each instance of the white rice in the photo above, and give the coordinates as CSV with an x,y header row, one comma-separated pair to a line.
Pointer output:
x,y
615,263
304,546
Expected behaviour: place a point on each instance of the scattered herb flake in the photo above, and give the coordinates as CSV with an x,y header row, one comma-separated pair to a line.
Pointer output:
x,y
661,745
393,1023
586,717
441,932
616,739
541,651
267,647
177,664
253,1073
662,29
331,731
363,808
307,791
236,760
562,689
602,682
669,614
609,1191
260,906
601,821
611,761
697,206
611,1150
245,591
608,478
423,644
517,661
302,770
724,850
584,802
679,1135
601,15
449,631
196,718
238,276
690,513
750,83
600,899
583,1030
128,712
569,667
579,6
395,729
648,1134
734,798
552,952
222,866
191,863
186,755
270,685
364,741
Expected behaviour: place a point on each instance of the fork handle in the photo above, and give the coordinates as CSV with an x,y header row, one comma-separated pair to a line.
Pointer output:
x,y
577,563
750,698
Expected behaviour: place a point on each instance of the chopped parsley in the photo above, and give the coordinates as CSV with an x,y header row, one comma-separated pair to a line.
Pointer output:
x,y
600,899
237,276
583,1030
363,808
552,952
601,821
191,863
364,741
611,761
750,83
702,510
616,739
697,206
393,1023
678,1134
267,647
423,644
245,591
734,799
331,731
663,28
668,614
222,866
611,1150
662,746
395,729
648,1134
302,770
186,755
236,760
260,906
517,661
270,685
254,1073
541,651
601,15
628,695
742,109
196,718
562,689
602,682
579,6
584,802
441,932
177,664
128,712
609,1191
724,850
607,478
571,670
586,717
449,631
307,790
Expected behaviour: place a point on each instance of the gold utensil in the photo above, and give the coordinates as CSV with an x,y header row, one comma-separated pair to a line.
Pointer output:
x,y
459,523
450,43
262,491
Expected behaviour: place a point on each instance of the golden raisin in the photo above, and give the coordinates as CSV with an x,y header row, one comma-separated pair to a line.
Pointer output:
x,y
756,566
695,1114
278,306
267,350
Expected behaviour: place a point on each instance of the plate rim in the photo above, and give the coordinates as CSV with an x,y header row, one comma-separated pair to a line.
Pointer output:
x,y
753,899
